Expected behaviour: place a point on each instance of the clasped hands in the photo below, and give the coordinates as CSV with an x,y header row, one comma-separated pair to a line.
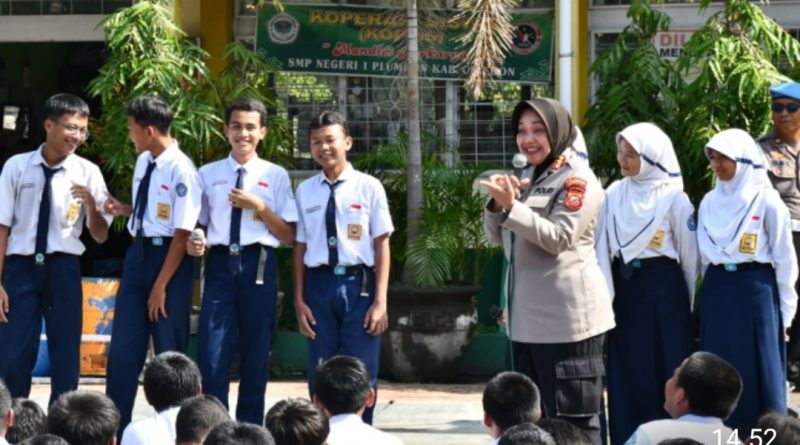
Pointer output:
x,y
504,190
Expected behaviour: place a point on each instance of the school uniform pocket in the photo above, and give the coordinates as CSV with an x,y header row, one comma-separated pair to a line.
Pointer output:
x,y
579,387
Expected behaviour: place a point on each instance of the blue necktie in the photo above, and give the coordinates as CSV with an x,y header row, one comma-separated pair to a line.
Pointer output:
x,y
330,226
140,206
44,215
235,260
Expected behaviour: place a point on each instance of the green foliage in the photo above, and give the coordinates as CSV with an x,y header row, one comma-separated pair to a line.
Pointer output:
x,y
149,54
730,63
451,214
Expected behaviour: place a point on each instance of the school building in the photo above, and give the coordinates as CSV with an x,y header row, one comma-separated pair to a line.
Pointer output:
x,y
339,54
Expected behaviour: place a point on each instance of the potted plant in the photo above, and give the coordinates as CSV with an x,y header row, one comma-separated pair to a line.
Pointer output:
x,y
432,319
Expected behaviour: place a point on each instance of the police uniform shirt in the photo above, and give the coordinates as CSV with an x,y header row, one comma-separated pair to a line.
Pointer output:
x,y
21,184
362,214
268,181
764,237
174,197
783,162
675,238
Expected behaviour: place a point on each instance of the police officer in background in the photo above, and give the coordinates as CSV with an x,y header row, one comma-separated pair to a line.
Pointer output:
x,y
781,147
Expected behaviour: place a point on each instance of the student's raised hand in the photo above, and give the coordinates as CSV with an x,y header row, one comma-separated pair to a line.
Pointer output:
x,y
305,319
245,200
377,320
504,189
157,303
82,194
3,305
114,207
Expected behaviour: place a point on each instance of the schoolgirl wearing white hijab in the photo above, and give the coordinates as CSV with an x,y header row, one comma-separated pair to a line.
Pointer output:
x,y
647,250
748,294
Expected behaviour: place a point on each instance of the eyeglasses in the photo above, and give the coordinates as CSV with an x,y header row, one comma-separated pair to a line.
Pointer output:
x,y
74,130
790,107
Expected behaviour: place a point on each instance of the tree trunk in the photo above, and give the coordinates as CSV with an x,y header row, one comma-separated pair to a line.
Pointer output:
x,y
414,198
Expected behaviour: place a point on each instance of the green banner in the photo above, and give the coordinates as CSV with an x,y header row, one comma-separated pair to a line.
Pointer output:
x,y
362,41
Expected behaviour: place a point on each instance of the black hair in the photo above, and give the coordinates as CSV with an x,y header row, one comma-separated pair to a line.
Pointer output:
x,y
83,418
785,430
170,379
326,119
511,398
525,434
680,441
563,432
29,420
197,416
297,422
64,104
712,385
342,384
246,104
5,404
236,433
149,111
44,439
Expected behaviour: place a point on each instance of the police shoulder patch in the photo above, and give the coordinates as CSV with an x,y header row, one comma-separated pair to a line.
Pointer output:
x,y
181,189
576,189
691,223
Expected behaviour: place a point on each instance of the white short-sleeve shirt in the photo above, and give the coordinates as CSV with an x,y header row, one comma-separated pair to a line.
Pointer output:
x,y
21,184
362,214
268,181
174,195
156,429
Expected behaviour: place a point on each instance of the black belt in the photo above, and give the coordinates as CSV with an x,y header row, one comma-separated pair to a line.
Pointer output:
x,y
157,240
236,251
644,263
343,270
733,267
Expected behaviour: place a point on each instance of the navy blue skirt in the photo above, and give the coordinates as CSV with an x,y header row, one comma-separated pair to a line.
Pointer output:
x,y
740,321
654,333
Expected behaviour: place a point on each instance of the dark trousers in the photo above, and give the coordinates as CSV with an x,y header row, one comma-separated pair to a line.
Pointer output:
x,y
793,348
132,328
19,338
237,311
339,309
570,379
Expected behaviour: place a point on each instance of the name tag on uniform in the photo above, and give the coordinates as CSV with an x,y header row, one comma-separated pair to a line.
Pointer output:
x,y
162,211
73,210
658,239
354,232
313,209
747,244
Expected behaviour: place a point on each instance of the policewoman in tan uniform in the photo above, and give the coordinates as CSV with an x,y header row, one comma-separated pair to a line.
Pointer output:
x,y
558,304
781,147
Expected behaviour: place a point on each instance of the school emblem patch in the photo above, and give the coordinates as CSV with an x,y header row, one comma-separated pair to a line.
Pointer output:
x,y
747,244
576,189
162,211
691,223
181,189
658,239
354,232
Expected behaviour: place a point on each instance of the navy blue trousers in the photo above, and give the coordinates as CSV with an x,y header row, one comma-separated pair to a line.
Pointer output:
x,y
740,321
654,333
19,338
237,311
132,328
339,310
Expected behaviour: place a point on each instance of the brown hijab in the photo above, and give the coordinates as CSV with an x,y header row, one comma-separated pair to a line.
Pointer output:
x,y
560,129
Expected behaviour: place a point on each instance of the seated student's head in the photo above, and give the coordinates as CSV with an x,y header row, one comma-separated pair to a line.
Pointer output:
x,y
149,118
510,398
775,429
84,418
525,434
343,386
170,379
29,420
705,385
297,422
680,441
563,432
44,439
235,433
6,413
198,415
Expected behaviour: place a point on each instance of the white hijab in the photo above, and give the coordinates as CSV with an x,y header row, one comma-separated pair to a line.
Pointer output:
x,y
580,145
727,204
638,204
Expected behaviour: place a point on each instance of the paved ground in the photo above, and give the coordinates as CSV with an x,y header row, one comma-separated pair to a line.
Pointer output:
x,y
418,414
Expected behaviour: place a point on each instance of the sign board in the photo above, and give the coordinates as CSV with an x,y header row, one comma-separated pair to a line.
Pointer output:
x,y
670,44
363,41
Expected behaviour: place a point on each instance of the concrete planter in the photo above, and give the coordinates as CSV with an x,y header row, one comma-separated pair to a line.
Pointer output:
x,y
429,332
